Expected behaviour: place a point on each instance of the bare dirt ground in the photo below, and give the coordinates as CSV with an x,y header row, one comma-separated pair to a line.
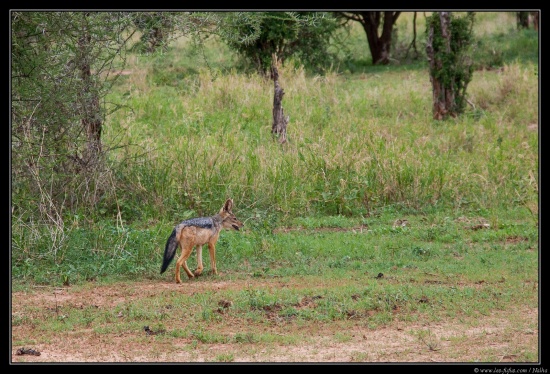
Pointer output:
x,y
503,336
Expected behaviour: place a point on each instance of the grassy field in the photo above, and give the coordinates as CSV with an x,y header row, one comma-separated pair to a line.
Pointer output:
x,y
372,219
441,288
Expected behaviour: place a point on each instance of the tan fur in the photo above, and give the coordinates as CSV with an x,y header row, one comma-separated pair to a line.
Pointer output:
x,y
193,236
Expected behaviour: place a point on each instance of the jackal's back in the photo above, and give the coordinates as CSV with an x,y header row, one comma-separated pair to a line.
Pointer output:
x,y
202,222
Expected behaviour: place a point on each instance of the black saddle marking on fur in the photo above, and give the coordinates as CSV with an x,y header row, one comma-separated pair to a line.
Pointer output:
x,y
203,222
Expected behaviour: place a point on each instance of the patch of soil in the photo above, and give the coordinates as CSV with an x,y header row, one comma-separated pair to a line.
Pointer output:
x,y
502,336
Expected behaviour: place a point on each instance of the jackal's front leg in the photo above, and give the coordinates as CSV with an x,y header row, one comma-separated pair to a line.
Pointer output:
x,y
212,251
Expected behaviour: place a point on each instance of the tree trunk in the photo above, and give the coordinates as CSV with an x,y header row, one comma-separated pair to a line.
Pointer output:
x,y
370,23
443,96
89,100
535,18
280,122
413,42
522,20
379,45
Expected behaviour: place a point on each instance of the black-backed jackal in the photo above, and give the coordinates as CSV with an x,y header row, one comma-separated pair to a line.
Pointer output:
x,y
196,232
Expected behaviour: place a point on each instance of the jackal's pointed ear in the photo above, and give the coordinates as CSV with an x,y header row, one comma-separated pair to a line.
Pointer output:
x,y
228,206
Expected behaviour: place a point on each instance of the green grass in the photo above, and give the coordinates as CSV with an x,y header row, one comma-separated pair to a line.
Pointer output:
x,y
438,259
332,246
377,277
434,270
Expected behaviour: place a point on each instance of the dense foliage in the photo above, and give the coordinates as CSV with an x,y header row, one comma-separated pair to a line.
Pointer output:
x,y
304,36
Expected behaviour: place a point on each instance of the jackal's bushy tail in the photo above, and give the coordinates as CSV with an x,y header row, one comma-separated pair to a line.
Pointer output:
x,y
169,251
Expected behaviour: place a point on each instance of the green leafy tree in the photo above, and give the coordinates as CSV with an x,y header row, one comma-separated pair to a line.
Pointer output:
x,y
61,71
448,47
156,29
304,36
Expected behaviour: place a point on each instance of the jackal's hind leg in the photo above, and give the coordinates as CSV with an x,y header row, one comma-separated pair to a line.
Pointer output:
x,y
200,267
182,261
